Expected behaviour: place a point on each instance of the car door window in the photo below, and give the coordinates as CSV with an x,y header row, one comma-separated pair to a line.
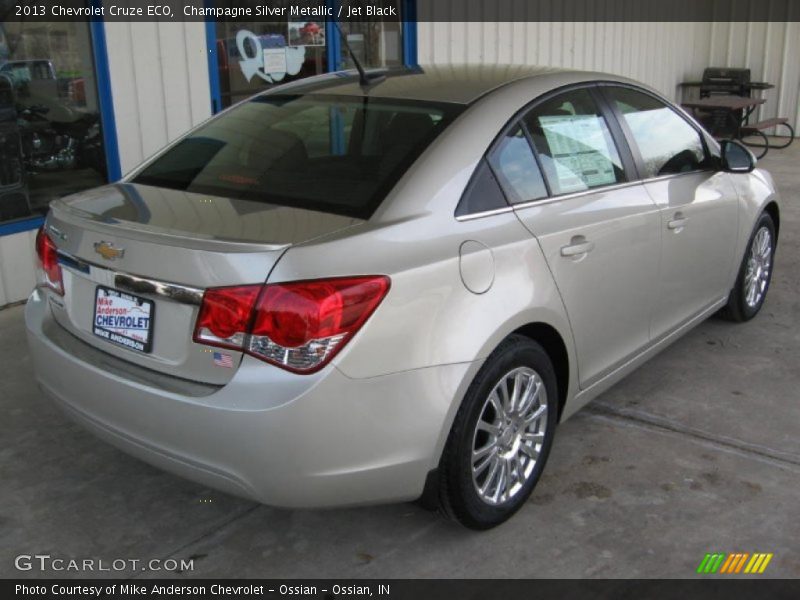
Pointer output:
x,y
667,143
513,161
574,143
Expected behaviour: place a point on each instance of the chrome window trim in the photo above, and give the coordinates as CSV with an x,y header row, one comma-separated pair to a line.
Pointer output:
x,y
551,199
134,284
485,213
676,175
600,189
617,186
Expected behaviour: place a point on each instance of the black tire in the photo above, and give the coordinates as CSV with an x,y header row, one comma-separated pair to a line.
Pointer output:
x,y
459,497
739,309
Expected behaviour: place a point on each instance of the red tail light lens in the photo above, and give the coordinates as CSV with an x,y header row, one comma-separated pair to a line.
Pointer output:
x,y
225,316
299,326
49,270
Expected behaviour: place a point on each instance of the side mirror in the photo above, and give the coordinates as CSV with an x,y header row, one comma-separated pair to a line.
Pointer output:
x,y
736,158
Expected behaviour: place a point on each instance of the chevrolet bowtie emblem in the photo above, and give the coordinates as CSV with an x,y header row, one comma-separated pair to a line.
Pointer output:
x,y
108,251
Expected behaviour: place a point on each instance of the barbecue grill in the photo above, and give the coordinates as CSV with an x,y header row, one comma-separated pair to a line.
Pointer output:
x,y
717,80
729,117
726,81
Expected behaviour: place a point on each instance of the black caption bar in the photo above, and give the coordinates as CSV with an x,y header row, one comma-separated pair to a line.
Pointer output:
x,y
199,10
390,10
733,588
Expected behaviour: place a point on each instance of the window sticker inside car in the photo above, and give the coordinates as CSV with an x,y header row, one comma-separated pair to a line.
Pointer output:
x,y
579,147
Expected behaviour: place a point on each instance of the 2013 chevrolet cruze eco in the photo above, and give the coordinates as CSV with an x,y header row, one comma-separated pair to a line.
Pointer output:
x,y
335,293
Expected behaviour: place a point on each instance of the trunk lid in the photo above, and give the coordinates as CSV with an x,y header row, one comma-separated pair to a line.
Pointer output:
x,y
167,246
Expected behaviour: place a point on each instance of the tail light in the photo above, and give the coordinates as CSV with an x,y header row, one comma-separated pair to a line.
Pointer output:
x,y
225,316
298,326
49,270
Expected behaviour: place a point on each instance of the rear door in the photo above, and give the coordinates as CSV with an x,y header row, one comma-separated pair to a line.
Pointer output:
x,y
697,203
597,228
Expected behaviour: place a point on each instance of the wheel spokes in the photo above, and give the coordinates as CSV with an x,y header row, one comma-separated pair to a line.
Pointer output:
x,y
759,263
481,453
509,435
536,437
497,405
505,397
477,469
536,414
500,488
495,465
530,451
490,428
530,394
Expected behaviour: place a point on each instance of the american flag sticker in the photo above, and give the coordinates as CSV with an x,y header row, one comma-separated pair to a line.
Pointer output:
x,y
223,360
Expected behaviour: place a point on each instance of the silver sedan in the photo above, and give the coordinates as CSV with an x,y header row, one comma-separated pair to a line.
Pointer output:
x,y
347,291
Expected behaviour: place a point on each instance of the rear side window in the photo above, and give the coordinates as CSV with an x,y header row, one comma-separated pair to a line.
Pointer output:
x,y
667,143
513,161
574,143
334,154
483,193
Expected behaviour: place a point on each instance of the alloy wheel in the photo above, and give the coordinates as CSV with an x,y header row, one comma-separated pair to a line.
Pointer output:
x,y
759,263
508,436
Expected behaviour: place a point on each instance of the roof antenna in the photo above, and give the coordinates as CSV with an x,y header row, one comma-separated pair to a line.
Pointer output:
x,y
364,79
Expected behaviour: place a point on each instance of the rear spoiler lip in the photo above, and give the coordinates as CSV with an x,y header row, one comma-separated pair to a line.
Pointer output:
x,y
62,211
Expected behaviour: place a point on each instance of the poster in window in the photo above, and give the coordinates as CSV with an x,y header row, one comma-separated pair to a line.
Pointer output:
x,y
306,33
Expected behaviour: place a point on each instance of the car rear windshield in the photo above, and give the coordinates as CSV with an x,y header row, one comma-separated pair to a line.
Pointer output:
x,y
335,154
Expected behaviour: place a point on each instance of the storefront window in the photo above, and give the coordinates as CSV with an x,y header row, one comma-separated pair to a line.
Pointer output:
x,y
252,57
255,56
50,139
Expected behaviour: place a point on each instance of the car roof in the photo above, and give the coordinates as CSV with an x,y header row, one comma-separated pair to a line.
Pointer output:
x,y
460,84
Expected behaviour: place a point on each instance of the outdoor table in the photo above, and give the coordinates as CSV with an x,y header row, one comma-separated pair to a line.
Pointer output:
x,y
729,116
727,111
734,109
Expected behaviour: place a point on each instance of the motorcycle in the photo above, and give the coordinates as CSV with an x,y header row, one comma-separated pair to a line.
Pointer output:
x,y
14,201
55,145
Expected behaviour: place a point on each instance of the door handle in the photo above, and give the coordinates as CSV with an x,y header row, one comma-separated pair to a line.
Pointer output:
x,y
578,245
678,222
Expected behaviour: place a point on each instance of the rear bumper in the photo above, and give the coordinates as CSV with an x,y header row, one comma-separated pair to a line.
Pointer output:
x,y
282,439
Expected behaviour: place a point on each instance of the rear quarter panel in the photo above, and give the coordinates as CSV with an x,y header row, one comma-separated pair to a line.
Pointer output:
x,y
429,317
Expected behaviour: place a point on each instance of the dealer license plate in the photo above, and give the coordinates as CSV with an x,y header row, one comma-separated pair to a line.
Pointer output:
x,y
123,319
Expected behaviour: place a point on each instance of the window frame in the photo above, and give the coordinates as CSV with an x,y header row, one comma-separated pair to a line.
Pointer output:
x,y
617,138
630,140
629,167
